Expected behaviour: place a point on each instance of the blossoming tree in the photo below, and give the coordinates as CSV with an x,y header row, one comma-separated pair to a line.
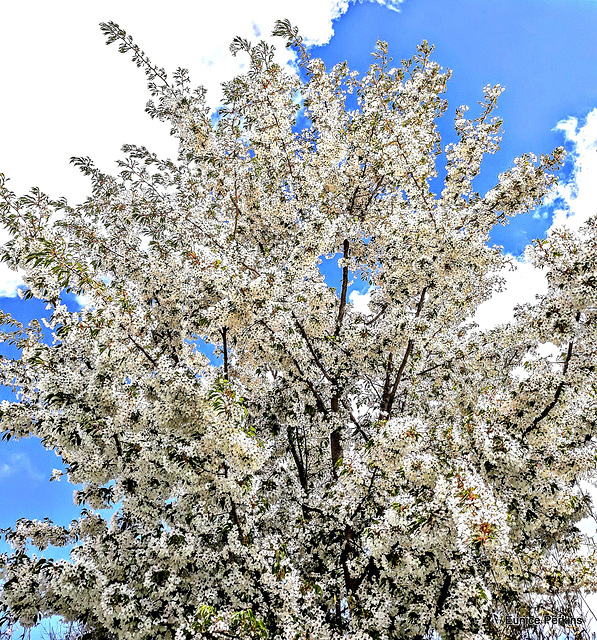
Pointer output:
x,y
339,474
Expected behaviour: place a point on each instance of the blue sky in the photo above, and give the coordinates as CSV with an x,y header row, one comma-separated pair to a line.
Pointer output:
x,y
67,94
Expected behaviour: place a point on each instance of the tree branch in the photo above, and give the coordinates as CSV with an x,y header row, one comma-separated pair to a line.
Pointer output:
x,y
235,201
559,389
312,350
444,592
354,420
234,513
385,398
297,460
344,289
389,402
118,445
224,332
152,360
319,400
385,306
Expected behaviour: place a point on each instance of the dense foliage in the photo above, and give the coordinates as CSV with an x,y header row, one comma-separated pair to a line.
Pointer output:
x,y
336,474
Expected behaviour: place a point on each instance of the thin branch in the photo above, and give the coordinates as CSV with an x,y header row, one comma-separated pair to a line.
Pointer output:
x,y
386,387
234,513
306,507
368,492
392,393
224,332
354,420
235,200
354,195
444,592
319,400
385,306
312,350
559,390
373,194
435,366
219,245
241,535
387,408
118,445
297,460
344,289
152,360
372,384
336,450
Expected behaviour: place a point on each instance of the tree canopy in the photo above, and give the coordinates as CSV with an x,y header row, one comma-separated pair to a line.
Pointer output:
x,y
335,473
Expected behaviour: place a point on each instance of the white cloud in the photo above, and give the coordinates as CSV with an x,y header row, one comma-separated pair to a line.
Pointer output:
x,y
66,94
10,281
360,301
394,5
522,285
19,464
578,196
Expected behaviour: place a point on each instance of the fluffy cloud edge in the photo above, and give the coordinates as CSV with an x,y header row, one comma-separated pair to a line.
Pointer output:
x,y
204,43
574,201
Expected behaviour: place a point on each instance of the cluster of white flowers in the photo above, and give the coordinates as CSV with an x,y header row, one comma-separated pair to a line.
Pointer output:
x,y
338,474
